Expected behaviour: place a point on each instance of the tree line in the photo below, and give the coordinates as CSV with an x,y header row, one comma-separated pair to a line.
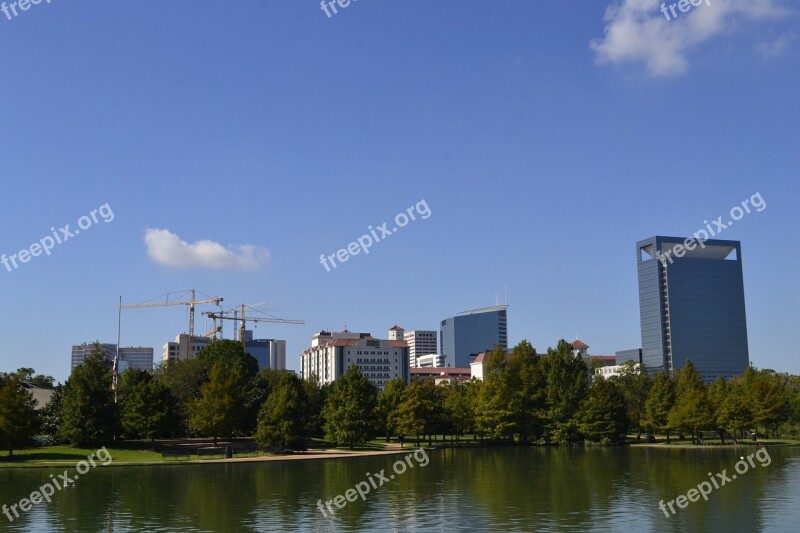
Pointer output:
x,y
524,398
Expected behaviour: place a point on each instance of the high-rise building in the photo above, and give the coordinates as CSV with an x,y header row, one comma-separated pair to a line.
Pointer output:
x,y
420,342
467,334
331,354
129,357
270,353
691,305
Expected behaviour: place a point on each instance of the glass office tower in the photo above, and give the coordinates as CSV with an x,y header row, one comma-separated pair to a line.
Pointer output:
x,y
691,305
467,334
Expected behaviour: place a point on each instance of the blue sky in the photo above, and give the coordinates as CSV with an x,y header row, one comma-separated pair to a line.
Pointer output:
x,y
545,137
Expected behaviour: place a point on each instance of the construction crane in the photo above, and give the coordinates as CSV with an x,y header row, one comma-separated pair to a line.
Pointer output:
x,y
190,302
213,332
244,319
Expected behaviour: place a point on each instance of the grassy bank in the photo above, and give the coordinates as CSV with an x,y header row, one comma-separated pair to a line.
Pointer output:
x,y
69,456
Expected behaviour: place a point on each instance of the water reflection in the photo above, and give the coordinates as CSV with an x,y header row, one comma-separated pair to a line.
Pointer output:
x,y
502,489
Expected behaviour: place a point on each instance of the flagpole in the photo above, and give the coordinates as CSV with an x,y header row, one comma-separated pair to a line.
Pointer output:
x,y
116,356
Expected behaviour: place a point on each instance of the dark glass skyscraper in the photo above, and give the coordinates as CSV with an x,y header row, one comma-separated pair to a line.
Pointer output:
x,y
691,305
467,334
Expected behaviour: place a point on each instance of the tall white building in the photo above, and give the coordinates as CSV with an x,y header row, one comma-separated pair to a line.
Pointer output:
x,y
420,342
139,358
179,350
331,354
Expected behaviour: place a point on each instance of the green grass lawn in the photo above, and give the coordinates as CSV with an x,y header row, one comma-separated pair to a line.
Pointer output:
x,y
69,456
674,441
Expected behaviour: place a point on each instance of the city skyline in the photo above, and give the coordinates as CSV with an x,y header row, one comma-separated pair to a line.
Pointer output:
x,y
537,156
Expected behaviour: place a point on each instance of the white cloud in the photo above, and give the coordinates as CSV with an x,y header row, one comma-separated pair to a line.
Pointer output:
x,y
166,248
636,30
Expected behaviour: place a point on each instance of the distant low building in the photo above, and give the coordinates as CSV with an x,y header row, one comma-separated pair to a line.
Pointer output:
x,y
433,360
41,396
579,348
179,349
614,370
139,358
331,354
634,355
442,374
477,367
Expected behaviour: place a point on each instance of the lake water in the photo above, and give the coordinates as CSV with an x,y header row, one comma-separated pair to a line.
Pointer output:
x,y
476,490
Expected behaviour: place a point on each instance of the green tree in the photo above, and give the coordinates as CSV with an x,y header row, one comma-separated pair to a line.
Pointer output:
x,y
232,352
494,417
316,393
731,408
185,379
218,411
149,411
528,382
769,399
89,416
50,417
459,411
634,384
658,404
283,420
40,380
692,410
513,398
349,410
420,411
229,352
603,414
388,400
18,419
567,377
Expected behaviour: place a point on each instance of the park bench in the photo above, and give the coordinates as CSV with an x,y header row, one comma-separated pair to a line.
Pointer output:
x,y
176,455
211,452
247,450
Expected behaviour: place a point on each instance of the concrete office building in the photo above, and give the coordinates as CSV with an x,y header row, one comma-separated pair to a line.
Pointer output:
x,y
467,334
139,358
420,342
432,360
691,305
331,354
179,350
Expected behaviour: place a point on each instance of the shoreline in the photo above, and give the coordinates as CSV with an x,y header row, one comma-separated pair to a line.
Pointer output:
x,y
331,453
392,449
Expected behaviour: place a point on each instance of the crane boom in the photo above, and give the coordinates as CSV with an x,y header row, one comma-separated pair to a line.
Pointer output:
x,y
244,320
193,301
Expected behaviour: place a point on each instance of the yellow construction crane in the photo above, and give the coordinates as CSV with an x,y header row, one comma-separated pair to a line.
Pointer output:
x,y
244,319
190,302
